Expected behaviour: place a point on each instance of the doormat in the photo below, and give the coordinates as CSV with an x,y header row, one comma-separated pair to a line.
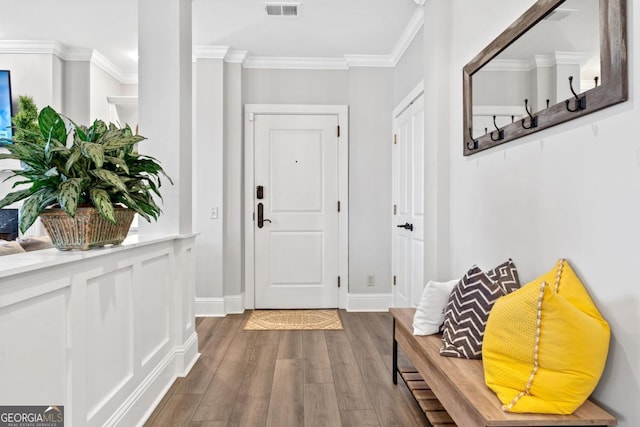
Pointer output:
x,y
293,320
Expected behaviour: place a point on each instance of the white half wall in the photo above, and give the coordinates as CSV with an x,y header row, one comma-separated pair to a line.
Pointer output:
x,y
103,333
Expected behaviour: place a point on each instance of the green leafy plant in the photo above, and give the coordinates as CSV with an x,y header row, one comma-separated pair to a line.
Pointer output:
x,y
25,121
99,168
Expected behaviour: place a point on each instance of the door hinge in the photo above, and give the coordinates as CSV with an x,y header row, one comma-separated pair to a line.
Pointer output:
x,y
395,139
395,209
338,131
395,280
338,281
338,205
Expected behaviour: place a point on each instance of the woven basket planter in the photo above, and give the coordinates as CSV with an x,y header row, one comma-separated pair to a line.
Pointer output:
x,y
87,230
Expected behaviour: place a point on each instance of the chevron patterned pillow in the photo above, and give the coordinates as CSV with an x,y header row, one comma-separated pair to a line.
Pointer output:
x,y
467,312
507,275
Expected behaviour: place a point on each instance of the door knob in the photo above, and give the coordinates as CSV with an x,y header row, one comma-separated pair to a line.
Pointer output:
x,y
406,226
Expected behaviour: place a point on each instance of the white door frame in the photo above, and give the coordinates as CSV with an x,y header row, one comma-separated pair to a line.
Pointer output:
x,y
406,102
342,113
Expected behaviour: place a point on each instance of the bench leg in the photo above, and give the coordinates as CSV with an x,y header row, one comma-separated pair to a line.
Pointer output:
x,y
395,355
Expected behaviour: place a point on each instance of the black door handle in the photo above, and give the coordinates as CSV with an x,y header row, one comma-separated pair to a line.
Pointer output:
x,y
261,218
406,226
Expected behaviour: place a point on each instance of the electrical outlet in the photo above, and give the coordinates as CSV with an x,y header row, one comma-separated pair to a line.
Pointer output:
x,y
371,280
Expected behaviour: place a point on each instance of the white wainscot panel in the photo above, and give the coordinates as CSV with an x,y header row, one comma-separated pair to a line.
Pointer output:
x,y
188,303
109,337
33,350
154,303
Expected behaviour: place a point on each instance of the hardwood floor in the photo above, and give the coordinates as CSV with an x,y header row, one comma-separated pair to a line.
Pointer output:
x,y
291,378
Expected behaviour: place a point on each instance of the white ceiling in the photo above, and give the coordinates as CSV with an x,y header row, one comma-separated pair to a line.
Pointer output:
x,y
324,29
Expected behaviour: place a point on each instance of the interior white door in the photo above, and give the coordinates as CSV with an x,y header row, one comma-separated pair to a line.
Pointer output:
x,y
408,199
296,211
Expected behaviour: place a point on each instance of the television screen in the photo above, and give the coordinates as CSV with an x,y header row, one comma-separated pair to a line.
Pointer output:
x,y
5,107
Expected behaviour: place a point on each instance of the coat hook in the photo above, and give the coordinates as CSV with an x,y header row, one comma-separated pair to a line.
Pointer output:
x,y
475,142
512,118
533,121
581,101
486,131
500,131
595,79
547,103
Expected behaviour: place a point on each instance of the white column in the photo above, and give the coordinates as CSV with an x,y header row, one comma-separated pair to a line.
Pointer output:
x,y
233,181
208,174
164,85
437,131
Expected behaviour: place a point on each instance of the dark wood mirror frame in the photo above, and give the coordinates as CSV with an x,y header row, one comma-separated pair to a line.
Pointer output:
x,y
613,64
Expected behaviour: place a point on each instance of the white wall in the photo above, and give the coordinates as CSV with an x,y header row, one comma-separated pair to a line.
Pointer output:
x,y
370,139
265,86
369,94
32,75
77,101
409,71
570,191
102,86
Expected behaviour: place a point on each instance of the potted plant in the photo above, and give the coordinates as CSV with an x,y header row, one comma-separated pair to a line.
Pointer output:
x,y
85,191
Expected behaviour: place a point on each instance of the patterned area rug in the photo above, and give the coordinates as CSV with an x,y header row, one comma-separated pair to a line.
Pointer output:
x,y
293,320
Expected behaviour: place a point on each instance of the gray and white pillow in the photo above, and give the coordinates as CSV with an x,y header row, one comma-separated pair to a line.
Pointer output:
x,y
507,275
467,312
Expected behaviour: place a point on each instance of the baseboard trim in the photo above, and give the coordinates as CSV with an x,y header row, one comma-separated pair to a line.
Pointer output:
x,y
369,302
141,403
219,306
209,307
234,304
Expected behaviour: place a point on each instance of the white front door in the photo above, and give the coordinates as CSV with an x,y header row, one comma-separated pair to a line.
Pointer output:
x,y
296,211
408,199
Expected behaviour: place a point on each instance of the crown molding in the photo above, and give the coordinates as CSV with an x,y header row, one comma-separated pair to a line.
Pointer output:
x,y
100,61
520,65
572,58
369,61
411,30
296,63
210,52
537,61
48,47
219,52
32,47
123,100
236,56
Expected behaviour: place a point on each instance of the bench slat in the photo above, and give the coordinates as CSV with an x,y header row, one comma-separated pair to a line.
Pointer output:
x,y
459,385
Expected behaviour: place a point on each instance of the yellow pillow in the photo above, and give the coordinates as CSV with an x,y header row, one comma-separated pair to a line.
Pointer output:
x,y
545,345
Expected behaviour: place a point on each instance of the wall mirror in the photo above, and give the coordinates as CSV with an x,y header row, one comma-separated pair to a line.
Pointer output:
x,y
560,60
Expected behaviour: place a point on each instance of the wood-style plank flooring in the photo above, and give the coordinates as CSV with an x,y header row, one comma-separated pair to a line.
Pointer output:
x,y
291,378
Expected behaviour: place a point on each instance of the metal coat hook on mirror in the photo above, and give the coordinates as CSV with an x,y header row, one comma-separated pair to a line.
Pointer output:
x,y
500,131
533,121
475,142
581,101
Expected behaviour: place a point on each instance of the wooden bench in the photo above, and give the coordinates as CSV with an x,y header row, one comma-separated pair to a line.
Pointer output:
x,y
458,384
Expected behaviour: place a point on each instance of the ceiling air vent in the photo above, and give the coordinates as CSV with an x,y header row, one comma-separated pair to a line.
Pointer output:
x,y
282,9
